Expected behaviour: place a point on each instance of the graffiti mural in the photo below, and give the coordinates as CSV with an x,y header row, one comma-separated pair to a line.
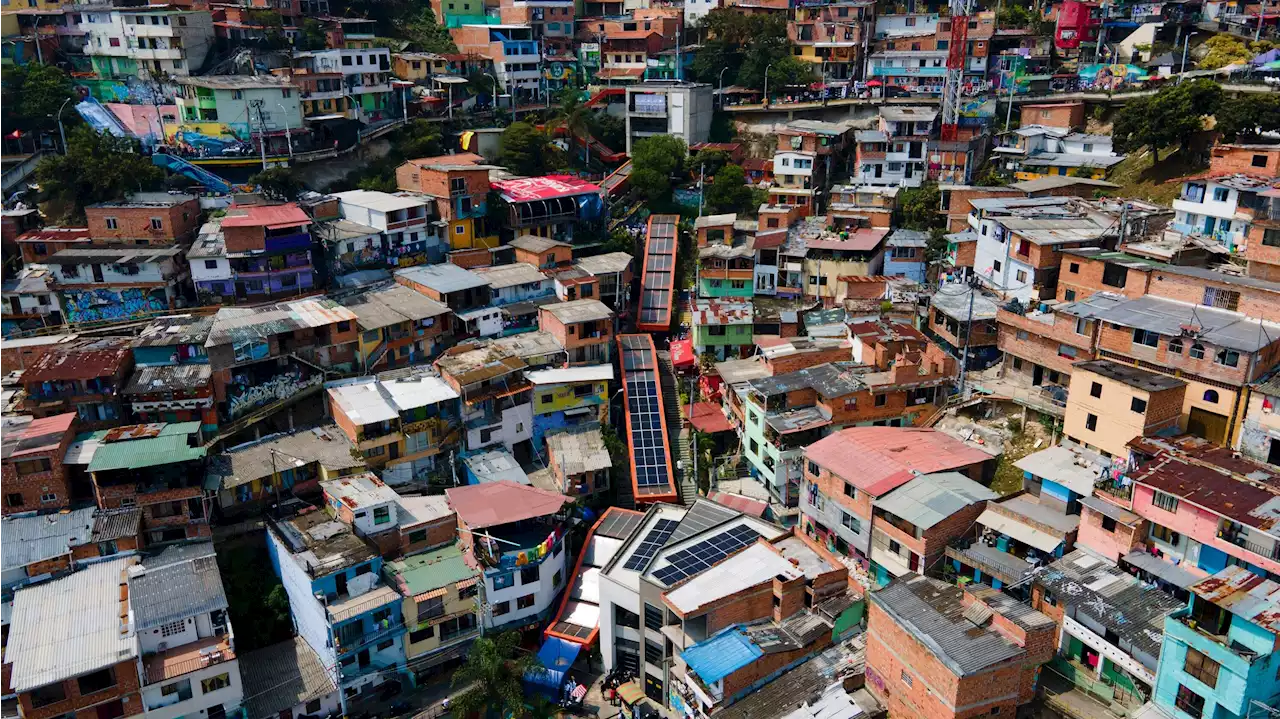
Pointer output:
x,y
110,305
364,257
1110,77
245,397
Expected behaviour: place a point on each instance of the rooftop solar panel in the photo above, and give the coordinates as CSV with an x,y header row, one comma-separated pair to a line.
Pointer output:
x,y
619,523
650,454
649,546
658,281
705,554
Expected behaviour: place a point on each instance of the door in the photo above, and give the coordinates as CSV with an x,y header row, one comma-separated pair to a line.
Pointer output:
x,y
97,273
1037,376
394,449
1207,425
341,581
1273,454
1209,224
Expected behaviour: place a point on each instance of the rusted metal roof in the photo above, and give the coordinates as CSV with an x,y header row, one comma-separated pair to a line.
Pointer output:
x,y
1244,594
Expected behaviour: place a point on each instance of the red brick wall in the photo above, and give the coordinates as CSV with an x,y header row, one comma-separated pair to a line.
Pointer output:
x,y
1120,340
440,531
126,687
244,239
1068,114
133,223
1235,158
1114,544
32,486
1088,279
1254,302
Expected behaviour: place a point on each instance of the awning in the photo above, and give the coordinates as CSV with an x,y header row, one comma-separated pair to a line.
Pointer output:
x,y
1043,541
874,83
555,657
1170,573
631,692
682,353
708,417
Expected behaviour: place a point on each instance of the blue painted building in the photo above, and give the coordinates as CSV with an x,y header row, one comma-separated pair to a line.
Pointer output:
x,y
340,606
905,254
172,380
1221,654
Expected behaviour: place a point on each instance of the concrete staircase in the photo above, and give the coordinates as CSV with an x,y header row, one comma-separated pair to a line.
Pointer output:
x,y
677,434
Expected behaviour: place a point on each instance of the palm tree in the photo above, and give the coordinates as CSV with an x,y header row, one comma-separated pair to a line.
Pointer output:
x,y
493,675
575,117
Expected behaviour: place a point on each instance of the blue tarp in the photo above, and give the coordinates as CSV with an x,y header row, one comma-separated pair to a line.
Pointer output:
x,y
721,655
557,656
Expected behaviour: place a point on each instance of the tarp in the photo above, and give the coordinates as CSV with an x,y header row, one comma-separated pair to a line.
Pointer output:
x,y
682,353
556,657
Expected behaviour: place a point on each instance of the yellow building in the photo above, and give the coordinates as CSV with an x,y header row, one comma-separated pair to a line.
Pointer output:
x,y
569,397
439,604
1109,404
418,66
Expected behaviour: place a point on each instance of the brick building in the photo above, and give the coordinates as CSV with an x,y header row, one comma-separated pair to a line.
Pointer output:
x,y
940,651
41,244
913,524
34,478
1110,404
583,327
459,187
1040,346
144,218
81,377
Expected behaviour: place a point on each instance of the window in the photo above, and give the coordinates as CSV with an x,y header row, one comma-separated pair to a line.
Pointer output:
x,y
313,706
114,42
1074,268
996,266
48,694
556,579
1175,346
852,523
157,223
422,635
529,575
170,629
850,491
181,690
1095,390
502,581
381,515
652,617
429,608
881,400
1201,667
459,230
1211,395
112,223
1259,161
419,535
1229,358
1108,524
625,618
1021,275
1222,299
501,608
1146,337
906,678
525,602
653,652
1189,702
1220,194
894,547
1083,326
1165,501
97,681
34,466
813,468
1197,351
1137,404
1114,275
1091,422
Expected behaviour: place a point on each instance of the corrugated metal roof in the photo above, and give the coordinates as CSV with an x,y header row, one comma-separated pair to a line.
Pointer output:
x,y
431,570
35,538
495,503
326,446
578,452
443,278
241,324
1244,594
282,676
931,498
116,524
69,626
721,655
1223,328
589,373
175,443
180,582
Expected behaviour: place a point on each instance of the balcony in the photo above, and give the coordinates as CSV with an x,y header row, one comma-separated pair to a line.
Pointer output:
x,y
1237,534
188,658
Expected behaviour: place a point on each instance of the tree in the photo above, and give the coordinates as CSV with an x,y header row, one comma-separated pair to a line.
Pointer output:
x,y
706,161
919,206
311,36
277,182
524,150
610,130
729,191
654,162
420,138
743,46
33,94
574,116
96,168
493,675
425,33
1170,117
1224,50
937,245
1248,116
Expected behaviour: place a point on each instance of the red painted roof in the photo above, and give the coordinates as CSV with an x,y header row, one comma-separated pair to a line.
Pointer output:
x,y
877,460
100,358
527,189
746,505
270,216
56,234
863,240
502,502
43,435
708,417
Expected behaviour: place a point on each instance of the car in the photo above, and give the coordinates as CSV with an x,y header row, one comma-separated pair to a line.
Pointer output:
x,y
895,91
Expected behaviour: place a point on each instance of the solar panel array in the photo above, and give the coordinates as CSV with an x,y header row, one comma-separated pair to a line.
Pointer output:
x,y
650,456
649,546
658,282
705,554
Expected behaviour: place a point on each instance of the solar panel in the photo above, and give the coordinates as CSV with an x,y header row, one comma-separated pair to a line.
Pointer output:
x,y
658,281
705,554
650,454
649,546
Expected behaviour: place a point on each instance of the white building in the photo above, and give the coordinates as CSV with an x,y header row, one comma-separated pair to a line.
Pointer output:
x,y
1037,150
188,665
516,282
669,107
366,76
248,104
117,283
403,218
1214,207
30,296
146,41
897,151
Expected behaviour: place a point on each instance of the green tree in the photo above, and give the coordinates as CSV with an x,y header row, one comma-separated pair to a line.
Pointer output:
x,y
743,46
1224,50
311,35
96,168
1170,117
1248,116
492,676
919,206
706,161
420,138
277,182
655,161
524,150
425,33
575,118
610,130
32,96
937,246
729,191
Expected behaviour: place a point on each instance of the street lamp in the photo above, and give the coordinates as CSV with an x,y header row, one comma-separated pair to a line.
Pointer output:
x,y
354,103
722,86
495,90
62,133
288,135
766,84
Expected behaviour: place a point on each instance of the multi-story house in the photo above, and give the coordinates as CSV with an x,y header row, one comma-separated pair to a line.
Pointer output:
x,y
667,107
110,284
277,353
151,219
398,327
962,319
584,328
340,606
726,271
364,91
249,477
515,534
351,250
552,22
80,378
146,41
914,524
723,327
172,380
439,601
30,300
186,646
497,396
459,186
464,292
1110,404
515,283
895,152
249,108
905,254
1032,152
918,71
1262,239
158,468
516,54
579,462
406,222
1219,654
33,475
832,36
1222,206
268,248
846,472
551,206
1078,27
856,206
565,397
400,425
925,657
56,667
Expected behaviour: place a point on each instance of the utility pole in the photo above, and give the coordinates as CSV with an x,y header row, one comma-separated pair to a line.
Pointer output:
x,y
1257,32
968,329
262,132
702,174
